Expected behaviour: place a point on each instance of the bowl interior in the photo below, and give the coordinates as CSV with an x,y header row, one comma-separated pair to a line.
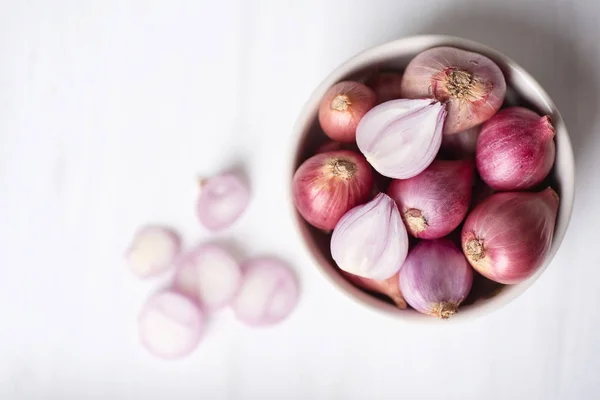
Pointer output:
x,y
522,89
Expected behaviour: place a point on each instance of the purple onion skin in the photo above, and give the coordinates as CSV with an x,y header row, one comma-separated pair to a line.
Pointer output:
x,y
507,237
328,185
435,202
515,149
435,278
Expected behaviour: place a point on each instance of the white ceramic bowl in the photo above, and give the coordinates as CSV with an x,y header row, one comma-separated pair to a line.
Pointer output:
x,y
308,135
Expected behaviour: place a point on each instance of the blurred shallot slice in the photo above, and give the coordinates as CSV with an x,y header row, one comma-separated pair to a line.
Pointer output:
x,y
170,325
268,294
152,251
222,200
210,275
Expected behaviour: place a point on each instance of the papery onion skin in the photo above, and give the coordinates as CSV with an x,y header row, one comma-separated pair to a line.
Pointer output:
x,y
506,238
515,149
400,138
472,85
370,240
387,85
327,185
436,201
389,287
436,278
342,108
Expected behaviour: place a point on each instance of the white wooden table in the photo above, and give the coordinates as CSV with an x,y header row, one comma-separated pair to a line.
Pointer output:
x,y
110,109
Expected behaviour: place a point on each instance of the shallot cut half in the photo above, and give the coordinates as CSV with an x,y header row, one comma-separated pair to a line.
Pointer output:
x,y
153,251
370,240
507,237
400,138
516,149
170,325
222,200
472,85
268,294
208,274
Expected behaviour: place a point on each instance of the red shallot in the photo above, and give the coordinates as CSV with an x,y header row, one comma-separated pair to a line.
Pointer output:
x,y
515,149
506,238
327,185
436,278
436,201
470,84
342,107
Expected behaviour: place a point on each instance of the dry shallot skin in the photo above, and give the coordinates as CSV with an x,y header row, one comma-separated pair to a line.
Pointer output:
x,y
342,108
515,150
327,185
389,287
387,85
472,85
436,278
507,237
435,202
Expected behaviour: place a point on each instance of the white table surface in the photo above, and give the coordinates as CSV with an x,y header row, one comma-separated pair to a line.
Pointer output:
x,y
110,109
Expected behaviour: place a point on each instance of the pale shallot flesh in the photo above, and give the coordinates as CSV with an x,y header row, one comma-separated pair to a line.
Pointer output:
x,y
170,325
268,294
153,251
370,240
208,274
400,138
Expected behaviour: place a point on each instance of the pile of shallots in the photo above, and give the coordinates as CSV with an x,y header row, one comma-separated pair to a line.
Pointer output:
x,y
427,178
208,277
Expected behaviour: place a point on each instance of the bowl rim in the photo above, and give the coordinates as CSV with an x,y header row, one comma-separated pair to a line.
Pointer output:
x,y
369,57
